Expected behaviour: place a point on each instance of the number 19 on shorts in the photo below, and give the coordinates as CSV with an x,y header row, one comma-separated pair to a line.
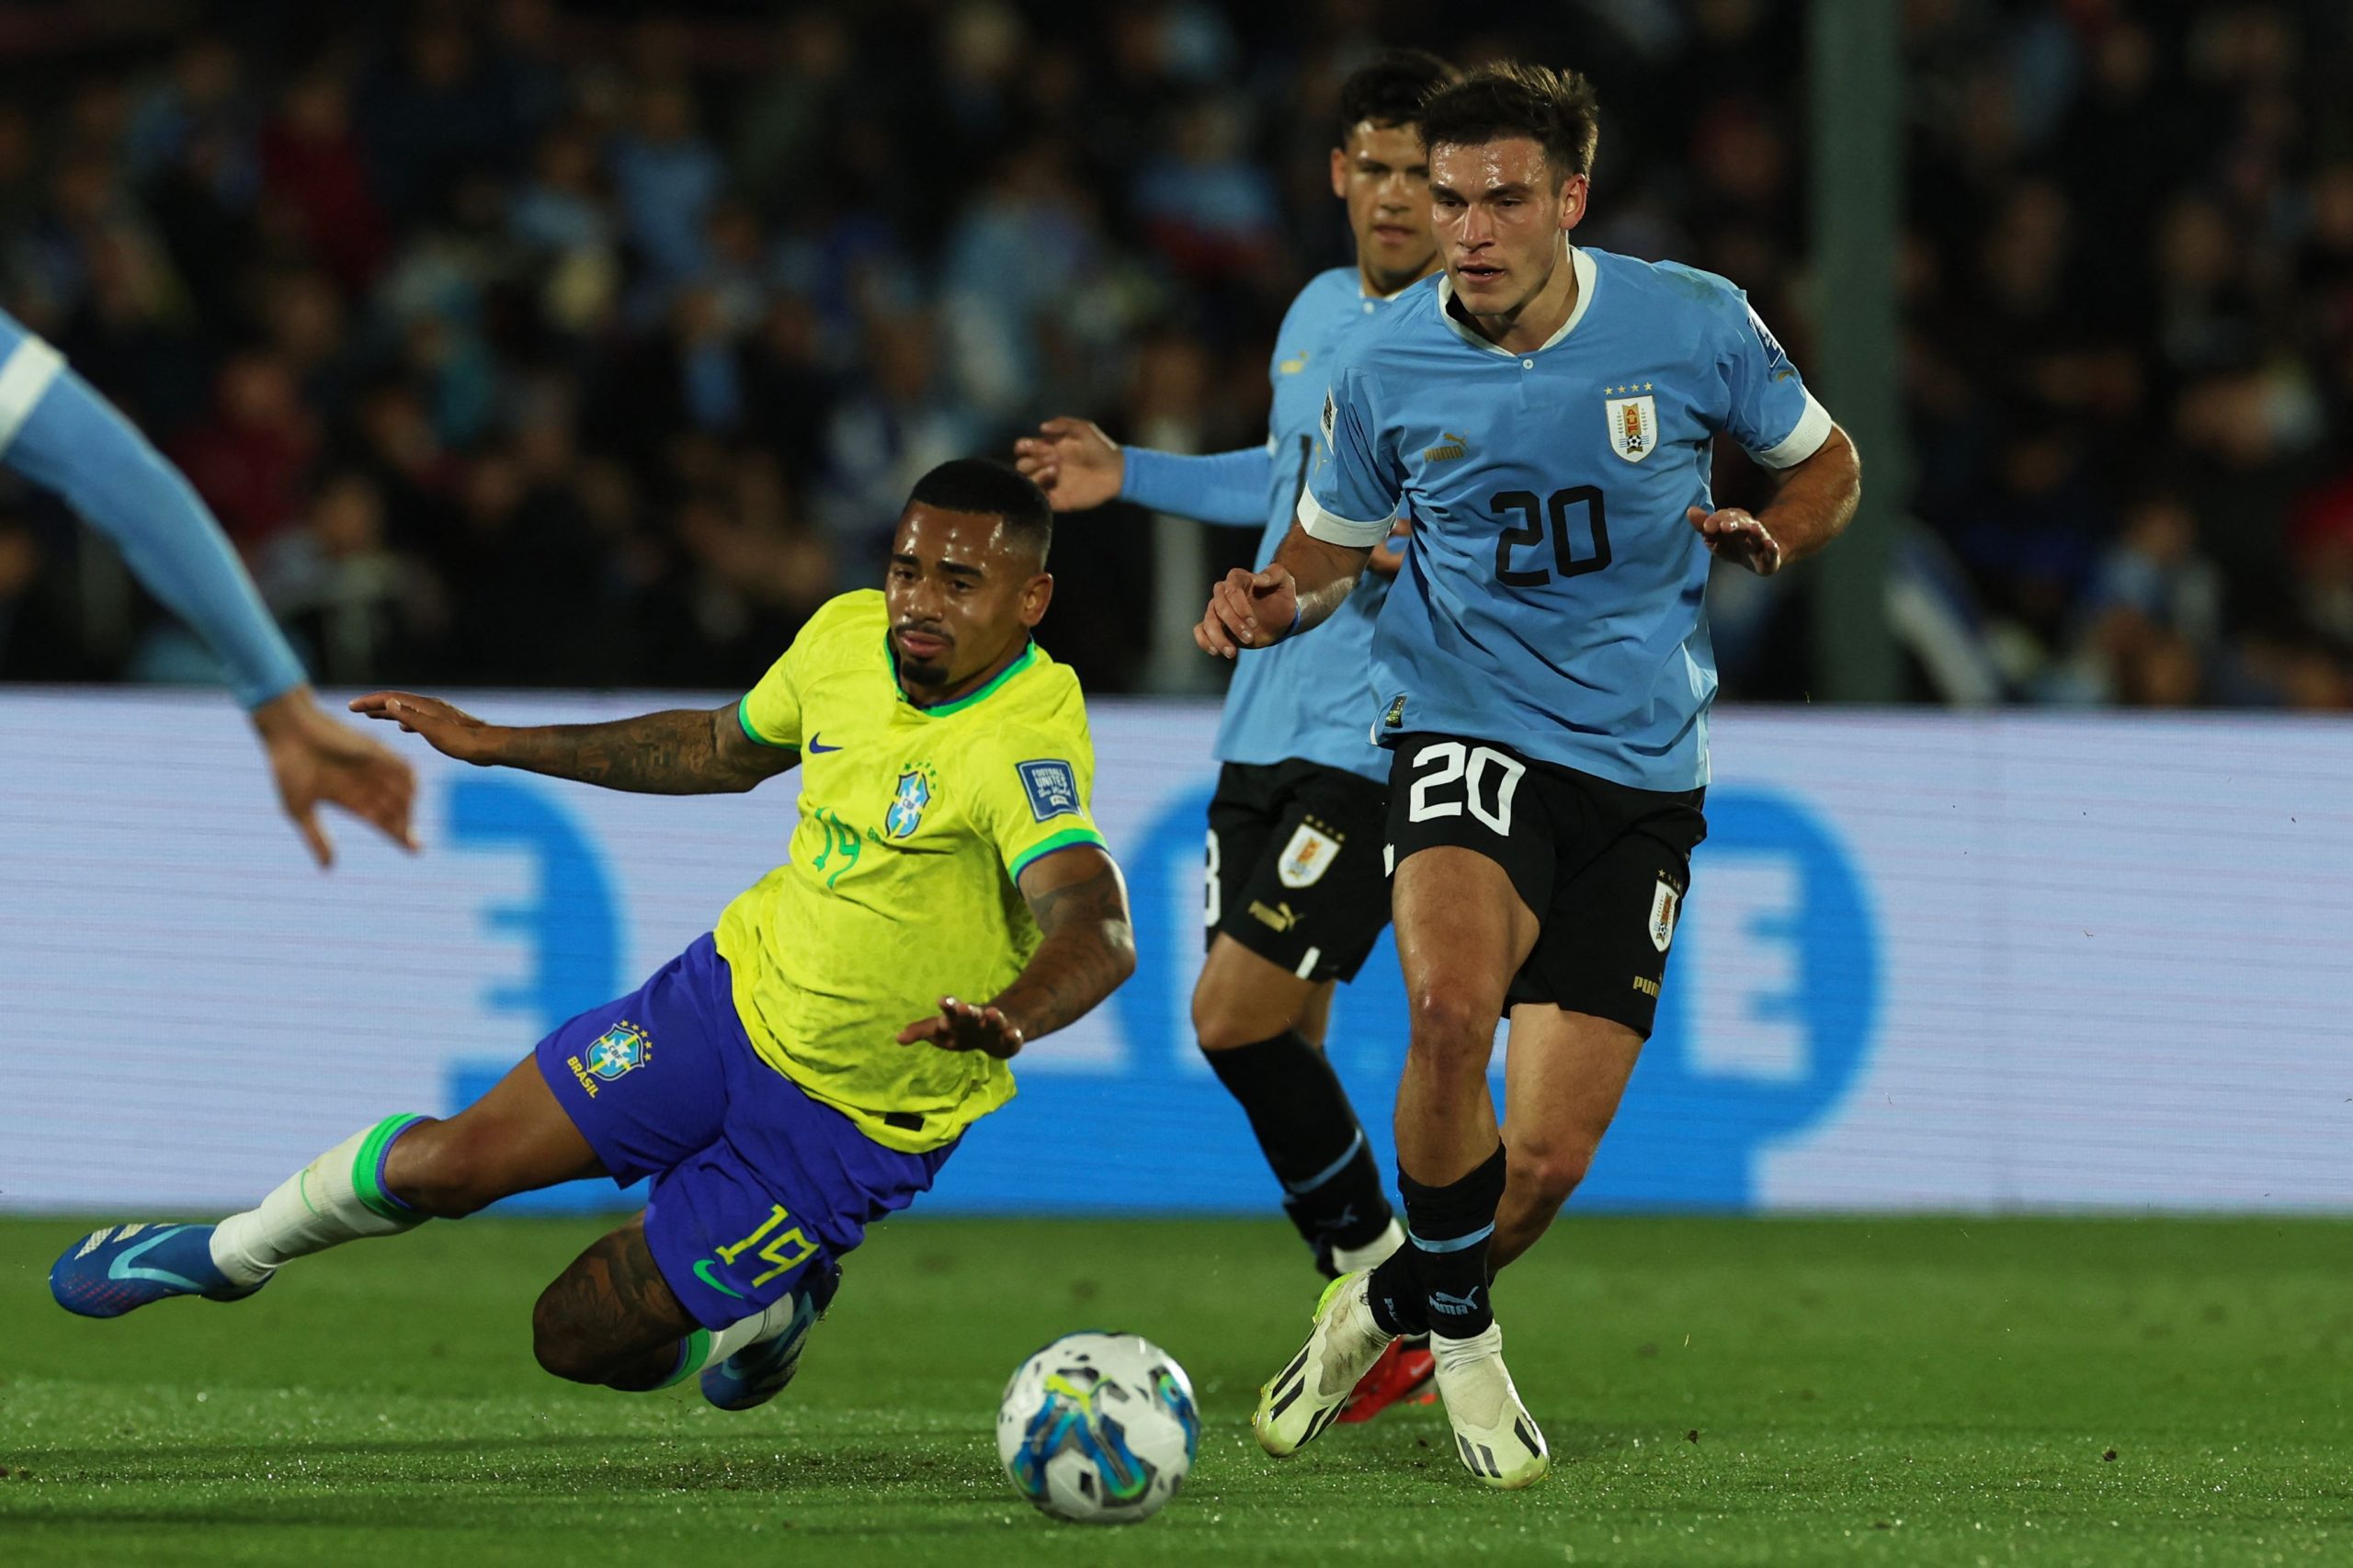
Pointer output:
x,y
1451,776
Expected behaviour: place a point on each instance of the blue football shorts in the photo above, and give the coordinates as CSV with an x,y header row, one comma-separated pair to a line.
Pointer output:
x,y
757,1189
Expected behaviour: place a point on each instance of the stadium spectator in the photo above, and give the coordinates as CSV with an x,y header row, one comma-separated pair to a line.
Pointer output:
x,y
849,241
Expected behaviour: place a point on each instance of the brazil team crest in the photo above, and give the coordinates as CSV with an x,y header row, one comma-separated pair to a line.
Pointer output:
x,y
1633,424
624,1048
907,805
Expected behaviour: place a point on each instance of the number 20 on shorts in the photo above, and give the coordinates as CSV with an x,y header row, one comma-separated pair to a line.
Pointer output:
x,y
1441,764
803,1248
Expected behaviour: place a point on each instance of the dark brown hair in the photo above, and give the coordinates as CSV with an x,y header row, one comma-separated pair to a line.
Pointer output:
x,y
1555,109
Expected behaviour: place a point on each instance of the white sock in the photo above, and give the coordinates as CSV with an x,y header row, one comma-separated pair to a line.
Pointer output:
x,y
1348,1261
708,1347
337,1198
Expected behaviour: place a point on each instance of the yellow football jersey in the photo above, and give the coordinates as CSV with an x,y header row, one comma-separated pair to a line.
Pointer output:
x,y
899,889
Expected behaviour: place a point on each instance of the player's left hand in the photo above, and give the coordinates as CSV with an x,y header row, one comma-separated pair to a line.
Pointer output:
x,y
1737,536
315,758
961,1026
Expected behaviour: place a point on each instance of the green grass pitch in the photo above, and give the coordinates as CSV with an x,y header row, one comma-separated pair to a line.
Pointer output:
x,y
1715,1392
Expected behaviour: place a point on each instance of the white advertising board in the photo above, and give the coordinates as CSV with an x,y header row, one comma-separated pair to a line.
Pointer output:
x,y
1929,961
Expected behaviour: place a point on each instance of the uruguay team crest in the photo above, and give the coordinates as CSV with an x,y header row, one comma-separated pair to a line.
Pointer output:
x,y
1307,857
624,1048
1633,424
905,814
1666,904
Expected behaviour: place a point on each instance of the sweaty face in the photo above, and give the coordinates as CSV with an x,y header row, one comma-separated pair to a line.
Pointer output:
x,y
963,593
1384,175
1499,215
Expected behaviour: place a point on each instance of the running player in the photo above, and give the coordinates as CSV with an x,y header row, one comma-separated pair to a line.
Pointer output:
x,y
767,1079
1297,890
58,432
1542,675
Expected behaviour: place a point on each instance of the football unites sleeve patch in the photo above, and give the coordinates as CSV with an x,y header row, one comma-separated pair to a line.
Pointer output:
x,y
1053,788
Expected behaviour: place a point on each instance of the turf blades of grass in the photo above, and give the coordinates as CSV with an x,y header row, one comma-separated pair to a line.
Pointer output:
x,y
1715,1392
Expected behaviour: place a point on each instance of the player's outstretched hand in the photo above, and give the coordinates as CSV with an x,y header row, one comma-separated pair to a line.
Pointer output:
x,y
1734,535
1073,462
448,730
315,758
960,1026
1249,609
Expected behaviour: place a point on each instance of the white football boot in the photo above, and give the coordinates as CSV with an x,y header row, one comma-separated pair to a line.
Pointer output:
x,y
1306,1396
1493,1431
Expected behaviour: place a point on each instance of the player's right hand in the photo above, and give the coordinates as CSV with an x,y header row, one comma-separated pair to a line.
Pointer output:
x,y
448,730
1249,609
1073,462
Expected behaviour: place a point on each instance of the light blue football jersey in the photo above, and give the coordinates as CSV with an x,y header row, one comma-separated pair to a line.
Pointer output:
x,y
1551,594
1282,703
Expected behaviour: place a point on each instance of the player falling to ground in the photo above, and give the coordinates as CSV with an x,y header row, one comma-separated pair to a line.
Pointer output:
x,y
1297,890
766,1079
58,432
1542,675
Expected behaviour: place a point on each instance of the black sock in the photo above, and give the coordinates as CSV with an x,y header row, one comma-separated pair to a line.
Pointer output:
x,y
1311,1137
1448,1230
1395,1293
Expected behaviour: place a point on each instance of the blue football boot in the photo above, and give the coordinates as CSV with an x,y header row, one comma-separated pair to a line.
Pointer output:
x,y
759,1372
109,1271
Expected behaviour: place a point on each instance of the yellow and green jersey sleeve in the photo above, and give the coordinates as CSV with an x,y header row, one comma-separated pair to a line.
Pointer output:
x,y
770,712
1033,789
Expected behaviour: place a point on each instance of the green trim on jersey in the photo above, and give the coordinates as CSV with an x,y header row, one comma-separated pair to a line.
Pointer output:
x,y
1068,839
744,719
1028,656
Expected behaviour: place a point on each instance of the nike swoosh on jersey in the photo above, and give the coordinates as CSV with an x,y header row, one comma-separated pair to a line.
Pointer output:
x,y
702,1265
816,745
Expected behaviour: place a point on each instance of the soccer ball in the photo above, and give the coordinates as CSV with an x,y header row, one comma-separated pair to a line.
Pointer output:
x,y
1098,1428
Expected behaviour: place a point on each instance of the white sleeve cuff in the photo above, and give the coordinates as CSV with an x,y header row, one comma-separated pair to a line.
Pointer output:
x,y
1814,428
1334,528
31,366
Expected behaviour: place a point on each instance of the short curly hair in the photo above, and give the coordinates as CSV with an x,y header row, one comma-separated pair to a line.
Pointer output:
x,y
1555,109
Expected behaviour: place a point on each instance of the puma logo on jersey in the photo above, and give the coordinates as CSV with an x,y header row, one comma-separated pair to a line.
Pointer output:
x,y
1294,365
1453,448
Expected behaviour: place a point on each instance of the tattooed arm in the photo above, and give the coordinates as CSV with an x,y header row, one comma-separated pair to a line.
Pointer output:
x,y
686,751
1082,906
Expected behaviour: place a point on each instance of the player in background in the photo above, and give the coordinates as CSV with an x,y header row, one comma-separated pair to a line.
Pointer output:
x,y
1542,675
807,1067
58,432
1297,890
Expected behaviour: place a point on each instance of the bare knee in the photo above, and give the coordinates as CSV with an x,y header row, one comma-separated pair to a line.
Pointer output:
x,y
1449,1024
444,1168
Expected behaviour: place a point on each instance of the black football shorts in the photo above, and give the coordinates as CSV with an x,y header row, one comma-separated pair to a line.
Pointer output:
x,y
1605,867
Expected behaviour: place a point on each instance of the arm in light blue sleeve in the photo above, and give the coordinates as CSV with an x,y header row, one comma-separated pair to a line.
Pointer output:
x,y
1226,488
59,433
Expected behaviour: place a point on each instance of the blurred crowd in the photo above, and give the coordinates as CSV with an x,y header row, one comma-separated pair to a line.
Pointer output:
x,y
519,343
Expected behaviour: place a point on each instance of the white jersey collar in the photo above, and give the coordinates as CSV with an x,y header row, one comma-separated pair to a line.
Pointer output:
x,y
1586,272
